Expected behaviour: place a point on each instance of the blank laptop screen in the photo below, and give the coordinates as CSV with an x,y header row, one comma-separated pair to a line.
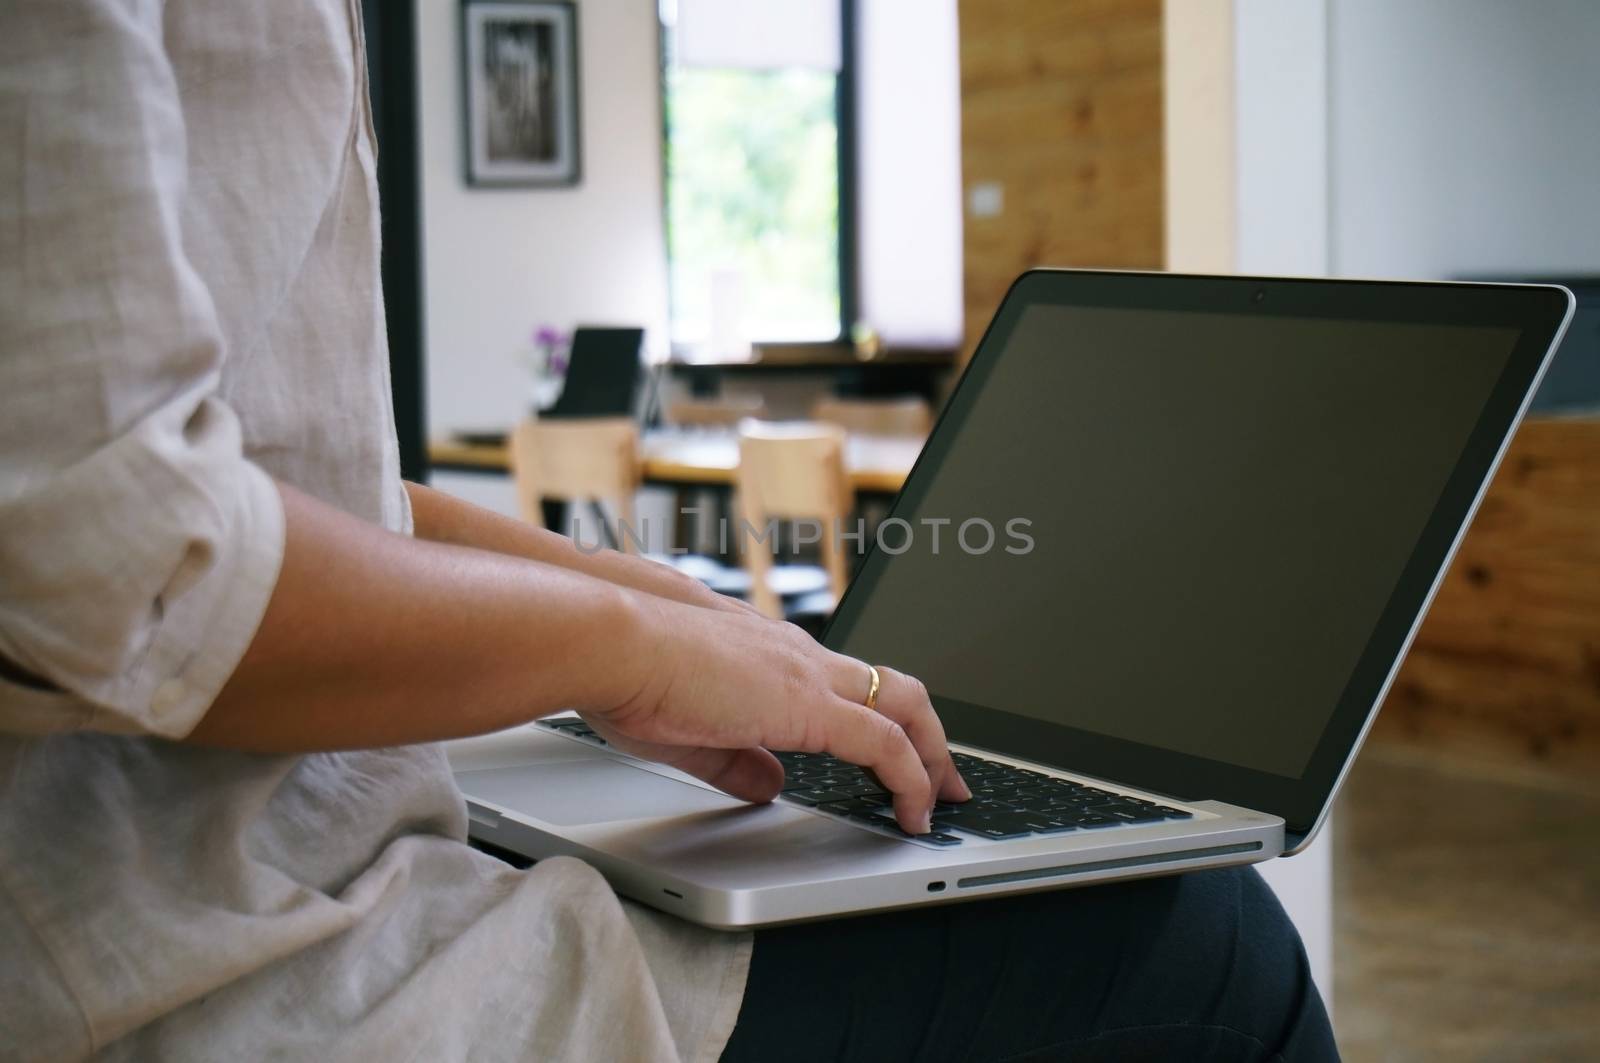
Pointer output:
x,y
1197,518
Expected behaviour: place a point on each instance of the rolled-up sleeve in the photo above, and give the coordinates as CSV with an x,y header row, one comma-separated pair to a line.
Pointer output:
x,y
138,546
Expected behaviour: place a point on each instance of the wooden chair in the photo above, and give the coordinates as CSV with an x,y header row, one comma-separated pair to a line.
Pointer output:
x,y
909,416
716,414
588,459
791,472
597,460
724,412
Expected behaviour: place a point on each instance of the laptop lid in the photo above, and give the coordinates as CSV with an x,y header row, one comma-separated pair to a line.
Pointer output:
x,y
1178,531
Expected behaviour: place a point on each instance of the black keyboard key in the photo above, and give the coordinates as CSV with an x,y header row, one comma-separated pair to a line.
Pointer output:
x,y
1063,815
882,816
878,817
884,819
1049,825
850,806
1128,813
816,797
995,830
1093,821
1008,801
965,814
1143,815
998,826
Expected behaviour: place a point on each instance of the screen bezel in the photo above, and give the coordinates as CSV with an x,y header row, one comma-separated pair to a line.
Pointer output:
x,y
1538,313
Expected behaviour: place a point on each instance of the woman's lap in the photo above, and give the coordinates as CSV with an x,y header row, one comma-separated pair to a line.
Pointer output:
x,y
1203,966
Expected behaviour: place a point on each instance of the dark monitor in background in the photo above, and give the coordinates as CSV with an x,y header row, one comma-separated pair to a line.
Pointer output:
x,y
603,370
1572,382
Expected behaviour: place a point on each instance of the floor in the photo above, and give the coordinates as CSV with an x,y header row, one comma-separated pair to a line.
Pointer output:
x,y
1467,913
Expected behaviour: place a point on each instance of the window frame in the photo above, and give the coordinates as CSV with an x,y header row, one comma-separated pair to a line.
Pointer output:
x,y
845,155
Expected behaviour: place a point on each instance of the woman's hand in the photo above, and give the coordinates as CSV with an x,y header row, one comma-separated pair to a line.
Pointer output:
x,y
721,687
373,639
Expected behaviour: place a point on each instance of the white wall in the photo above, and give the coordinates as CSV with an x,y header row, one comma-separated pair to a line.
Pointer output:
x,y
908,175
1246,193
1281,143
1281,226
1465,136
500,262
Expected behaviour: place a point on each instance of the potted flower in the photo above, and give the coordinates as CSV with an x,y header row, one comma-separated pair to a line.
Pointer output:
x,y
546,363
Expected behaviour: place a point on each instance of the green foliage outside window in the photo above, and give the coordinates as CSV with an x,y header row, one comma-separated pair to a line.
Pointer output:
x,y
753,185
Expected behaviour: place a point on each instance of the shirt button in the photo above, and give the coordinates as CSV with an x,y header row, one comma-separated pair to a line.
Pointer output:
x,y
168,697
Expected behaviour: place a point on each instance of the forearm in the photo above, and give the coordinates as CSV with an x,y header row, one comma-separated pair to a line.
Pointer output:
x,y
444,519
375,639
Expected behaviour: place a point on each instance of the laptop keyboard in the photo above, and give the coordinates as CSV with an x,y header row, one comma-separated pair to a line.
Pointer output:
x,y
1008,802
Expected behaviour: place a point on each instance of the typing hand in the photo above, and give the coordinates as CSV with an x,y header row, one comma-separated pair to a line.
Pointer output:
x,y
717,689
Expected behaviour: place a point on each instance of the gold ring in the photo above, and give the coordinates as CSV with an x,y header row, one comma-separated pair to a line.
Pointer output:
x,y
872,691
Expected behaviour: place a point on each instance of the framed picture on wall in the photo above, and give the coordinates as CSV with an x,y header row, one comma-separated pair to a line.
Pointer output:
x,y
519,63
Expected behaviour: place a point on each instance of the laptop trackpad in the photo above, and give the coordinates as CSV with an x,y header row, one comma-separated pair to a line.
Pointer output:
x,y
571,793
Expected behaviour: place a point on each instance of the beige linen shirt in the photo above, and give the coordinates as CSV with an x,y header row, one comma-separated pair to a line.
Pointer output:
x,y
189,307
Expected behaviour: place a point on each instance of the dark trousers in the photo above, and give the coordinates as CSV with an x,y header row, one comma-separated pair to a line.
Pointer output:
x,y
1188,968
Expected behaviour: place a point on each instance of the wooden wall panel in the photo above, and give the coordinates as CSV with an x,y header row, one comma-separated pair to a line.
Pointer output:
x,y
1507,664
1061,106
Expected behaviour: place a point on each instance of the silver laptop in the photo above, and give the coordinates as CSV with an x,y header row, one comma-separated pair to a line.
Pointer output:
x,y
1157,565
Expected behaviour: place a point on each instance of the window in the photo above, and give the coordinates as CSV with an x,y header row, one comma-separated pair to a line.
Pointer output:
x,y
753,204
753,163
767,241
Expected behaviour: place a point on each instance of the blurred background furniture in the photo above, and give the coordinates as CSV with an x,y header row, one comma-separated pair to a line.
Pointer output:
x,y
716,414
793,472
875,465
723,412
596,460
906,416
838,367
603,371
592,460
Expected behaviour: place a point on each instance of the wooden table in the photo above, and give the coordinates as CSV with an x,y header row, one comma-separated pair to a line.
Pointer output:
x,y
876,464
